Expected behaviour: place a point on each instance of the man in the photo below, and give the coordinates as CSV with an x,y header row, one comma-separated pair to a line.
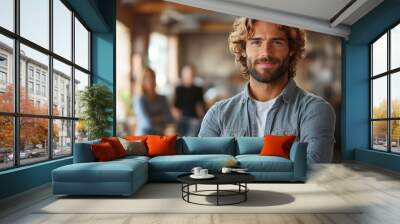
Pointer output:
x,y
271,103
189,106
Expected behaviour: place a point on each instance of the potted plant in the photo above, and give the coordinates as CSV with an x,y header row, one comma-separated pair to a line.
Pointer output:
x,y
96,104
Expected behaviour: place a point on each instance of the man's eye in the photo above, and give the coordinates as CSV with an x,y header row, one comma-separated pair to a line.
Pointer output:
x,y
277,42
255,42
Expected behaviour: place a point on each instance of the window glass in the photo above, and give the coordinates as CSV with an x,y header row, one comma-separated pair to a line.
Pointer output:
x,y
379,135
6,142
81,45
379,100
379,56
62,29
81,82
35,21
6,74
33,140
39,61
7,14
62,138
62,91
395,47
81,131
395,95
395,136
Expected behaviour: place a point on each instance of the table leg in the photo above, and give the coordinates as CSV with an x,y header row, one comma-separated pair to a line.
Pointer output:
x,y
188,189
217,194
245,193
182,188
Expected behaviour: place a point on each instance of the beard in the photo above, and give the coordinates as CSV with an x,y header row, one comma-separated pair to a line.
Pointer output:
x,y
268,75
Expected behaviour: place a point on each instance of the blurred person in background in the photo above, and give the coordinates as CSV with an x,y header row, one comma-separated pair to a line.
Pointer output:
x,y
189,106
272,103
152,110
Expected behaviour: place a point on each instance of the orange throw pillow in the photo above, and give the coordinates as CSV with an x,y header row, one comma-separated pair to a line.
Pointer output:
x,y
277,145
136,137
161,145
116,145
103,152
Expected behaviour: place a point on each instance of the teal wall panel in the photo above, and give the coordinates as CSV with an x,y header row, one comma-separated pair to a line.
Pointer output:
x,y
377,158
103,53
356,85
24,178
90,13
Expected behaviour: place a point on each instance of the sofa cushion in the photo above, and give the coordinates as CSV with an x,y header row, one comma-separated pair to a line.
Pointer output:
x,y
136,137
112,171
131,158
134,147
249,145
185,163
103,152
116,145
161,145
257,163
207,145
275,145
83,153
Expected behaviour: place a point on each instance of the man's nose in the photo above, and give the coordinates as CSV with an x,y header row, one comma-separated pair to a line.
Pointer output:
x,y
265,49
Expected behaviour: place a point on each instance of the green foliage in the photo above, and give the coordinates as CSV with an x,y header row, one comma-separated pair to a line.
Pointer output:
x,y
96,103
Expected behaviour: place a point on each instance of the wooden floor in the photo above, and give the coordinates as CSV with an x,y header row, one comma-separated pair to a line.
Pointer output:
x,y
377,188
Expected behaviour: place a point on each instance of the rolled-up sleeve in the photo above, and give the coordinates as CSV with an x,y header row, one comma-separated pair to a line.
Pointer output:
x,y
317,128
210,126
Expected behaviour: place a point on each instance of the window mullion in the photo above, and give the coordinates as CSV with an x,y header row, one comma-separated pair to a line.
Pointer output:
x,y
16,84
50,81
73,82
371,96
389,95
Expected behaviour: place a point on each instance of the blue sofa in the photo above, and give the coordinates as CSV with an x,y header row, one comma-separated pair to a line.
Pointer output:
x,y
125,176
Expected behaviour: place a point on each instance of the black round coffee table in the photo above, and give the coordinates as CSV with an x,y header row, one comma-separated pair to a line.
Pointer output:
x,y
238,179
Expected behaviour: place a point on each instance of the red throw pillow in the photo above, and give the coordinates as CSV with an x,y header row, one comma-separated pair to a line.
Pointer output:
x,y
277,145
116,145
136,137
161,145
103,151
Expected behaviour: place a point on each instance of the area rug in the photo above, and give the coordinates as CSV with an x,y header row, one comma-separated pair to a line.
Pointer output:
x,y
167,198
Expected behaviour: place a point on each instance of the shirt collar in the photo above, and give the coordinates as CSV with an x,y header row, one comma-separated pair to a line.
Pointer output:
x,y
286,95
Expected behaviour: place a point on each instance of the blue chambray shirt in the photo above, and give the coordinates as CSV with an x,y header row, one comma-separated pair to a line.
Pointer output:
x,y
295,112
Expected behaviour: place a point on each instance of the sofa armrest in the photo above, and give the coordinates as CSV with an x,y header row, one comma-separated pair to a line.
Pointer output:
x,y
298,155
83,152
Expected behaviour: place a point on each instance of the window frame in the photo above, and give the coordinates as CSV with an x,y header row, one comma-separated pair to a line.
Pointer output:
x,y
16,115
388,74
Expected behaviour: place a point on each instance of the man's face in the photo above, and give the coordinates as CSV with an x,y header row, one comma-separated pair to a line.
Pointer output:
x,y
187,76
267,53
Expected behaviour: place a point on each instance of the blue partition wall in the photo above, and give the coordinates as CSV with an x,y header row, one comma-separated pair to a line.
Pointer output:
x,y
356,86
100,16
104,52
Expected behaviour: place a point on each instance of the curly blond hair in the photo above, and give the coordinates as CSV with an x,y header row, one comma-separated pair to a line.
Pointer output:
x,y
243,29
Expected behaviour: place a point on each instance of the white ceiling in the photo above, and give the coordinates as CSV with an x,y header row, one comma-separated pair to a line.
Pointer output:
x,y
321,9
315,15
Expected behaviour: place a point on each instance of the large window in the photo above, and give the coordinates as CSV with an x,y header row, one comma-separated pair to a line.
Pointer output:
x,y
44,64
385,91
